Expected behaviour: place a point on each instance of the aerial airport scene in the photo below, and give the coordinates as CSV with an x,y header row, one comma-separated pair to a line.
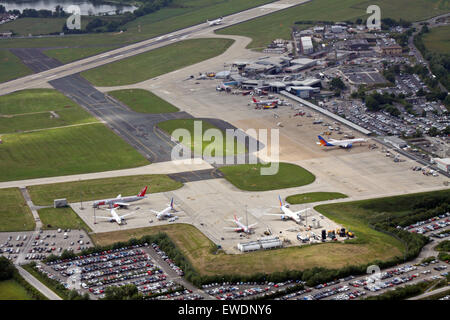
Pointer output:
x,y
245,150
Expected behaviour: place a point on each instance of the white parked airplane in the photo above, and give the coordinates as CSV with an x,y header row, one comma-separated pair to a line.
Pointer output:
x,y
120,201
241,227
287,213
115,217
339,143
165,213
215,22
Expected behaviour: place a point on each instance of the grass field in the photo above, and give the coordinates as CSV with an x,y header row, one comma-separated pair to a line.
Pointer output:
x,y
11,67
38,109
64,218
67,55
143,101
156,62
170,125
314,197
182,14
14,212
278,25
12,290
248,177
101,188
64,151
438,40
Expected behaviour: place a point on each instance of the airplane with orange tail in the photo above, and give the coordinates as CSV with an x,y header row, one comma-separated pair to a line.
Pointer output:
x,y
346,144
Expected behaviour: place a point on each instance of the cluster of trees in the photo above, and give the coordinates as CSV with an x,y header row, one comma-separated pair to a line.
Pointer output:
x,y
376,102
33,13
8,271
387,23
337,85
440,67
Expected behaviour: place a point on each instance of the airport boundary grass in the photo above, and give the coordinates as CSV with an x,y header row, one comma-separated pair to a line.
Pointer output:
x,y
316,263
248,177
156,62
95,189
14,211
278,25
63,218
407,291
12,67
314,197
170,126
143,101
65,151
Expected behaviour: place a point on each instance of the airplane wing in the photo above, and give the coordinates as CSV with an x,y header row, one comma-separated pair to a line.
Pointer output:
x,y
128,214
119,196
109,218
252,225
274,214
300,211
122,204
154,211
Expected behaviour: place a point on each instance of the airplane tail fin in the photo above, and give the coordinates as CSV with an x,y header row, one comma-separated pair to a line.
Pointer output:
x,y
143,191
322,141
254,99
281,201
171,203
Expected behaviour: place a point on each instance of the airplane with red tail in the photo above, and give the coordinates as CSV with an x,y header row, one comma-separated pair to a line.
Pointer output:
x,y
120,201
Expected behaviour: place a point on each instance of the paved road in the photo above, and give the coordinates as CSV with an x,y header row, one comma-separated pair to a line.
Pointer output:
x,y
431,293
38,285
41,78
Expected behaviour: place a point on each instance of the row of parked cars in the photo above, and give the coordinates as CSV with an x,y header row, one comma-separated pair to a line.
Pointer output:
x,y
163,256
436,223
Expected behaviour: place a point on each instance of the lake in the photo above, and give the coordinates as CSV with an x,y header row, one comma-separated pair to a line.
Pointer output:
x,y
86,7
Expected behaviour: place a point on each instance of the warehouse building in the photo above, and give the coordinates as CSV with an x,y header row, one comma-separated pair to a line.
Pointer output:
x,y
307,45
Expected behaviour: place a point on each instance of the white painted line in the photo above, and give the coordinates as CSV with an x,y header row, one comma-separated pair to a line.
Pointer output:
x,y
49,77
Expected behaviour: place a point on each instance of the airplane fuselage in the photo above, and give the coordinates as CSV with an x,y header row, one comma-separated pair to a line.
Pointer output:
x,y
112,201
